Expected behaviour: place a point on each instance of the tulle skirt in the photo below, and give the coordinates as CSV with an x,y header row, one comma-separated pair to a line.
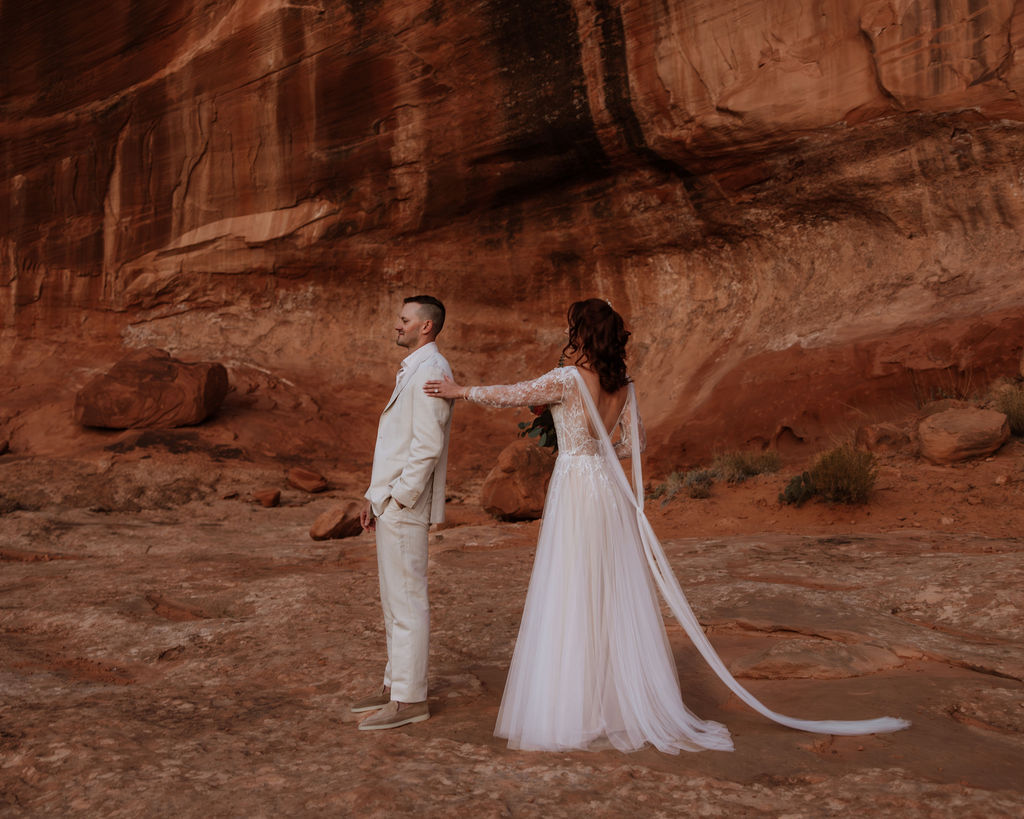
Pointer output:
x,y
592,659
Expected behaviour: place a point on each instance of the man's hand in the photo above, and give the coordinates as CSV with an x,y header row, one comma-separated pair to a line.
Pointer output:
x,y
366,518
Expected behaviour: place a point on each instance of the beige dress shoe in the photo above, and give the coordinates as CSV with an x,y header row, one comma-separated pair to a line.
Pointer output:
x,y
390,716
372,702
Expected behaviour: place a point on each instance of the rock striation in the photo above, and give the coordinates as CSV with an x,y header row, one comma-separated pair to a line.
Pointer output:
x,y
814,658
803,209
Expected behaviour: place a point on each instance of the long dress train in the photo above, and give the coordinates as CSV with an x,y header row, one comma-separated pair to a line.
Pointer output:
x,y
592,658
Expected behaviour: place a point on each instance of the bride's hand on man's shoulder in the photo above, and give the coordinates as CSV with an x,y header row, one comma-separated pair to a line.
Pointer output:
x,y
444,389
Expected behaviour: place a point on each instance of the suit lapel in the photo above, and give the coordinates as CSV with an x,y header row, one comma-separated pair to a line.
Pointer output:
x,y
403,381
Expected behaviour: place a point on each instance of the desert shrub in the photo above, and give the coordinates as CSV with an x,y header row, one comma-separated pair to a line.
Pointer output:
x,y
669,488
845,475
698,482
841,475
798,491
1010,401
736,467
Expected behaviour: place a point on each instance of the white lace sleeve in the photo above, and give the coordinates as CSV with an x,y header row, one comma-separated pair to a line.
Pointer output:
x,y
624,446
548,389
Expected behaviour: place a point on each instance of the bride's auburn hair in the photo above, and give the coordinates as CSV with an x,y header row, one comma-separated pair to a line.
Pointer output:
x,y
597,338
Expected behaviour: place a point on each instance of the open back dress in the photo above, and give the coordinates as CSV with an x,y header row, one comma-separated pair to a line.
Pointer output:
x,y
592,661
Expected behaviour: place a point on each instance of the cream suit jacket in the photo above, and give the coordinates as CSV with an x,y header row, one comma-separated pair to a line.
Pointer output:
x,y
411,453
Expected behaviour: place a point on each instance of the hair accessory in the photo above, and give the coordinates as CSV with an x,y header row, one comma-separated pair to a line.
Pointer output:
x,y
606,301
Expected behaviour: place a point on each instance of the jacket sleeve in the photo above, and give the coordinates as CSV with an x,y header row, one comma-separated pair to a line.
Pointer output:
x,y
429,420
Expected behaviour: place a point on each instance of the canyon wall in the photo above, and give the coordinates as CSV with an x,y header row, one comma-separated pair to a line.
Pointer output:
x,y
810,213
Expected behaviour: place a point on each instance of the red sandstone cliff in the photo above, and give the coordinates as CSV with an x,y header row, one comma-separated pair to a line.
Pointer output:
x,y
807,211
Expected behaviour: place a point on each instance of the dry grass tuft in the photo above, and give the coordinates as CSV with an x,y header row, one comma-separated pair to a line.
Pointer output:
x,y
1010,401
737,466
731,467
669,488
698,482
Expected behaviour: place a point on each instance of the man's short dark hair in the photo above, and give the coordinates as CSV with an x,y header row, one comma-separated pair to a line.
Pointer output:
x,y
430,308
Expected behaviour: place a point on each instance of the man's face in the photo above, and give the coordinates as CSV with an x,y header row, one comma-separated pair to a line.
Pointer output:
x,y
409,327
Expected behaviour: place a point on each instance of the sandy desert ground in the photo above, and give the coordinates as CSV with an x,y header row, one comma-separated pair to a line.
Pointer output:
x,y
196,656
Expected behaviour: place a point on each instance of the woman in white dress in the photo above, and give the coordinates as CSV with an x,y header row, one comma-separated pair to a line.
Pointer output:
x,y
592,659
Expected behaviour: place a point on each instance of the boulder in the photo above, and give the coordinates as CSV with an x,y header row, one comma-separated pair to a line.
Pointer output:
x,y
267,497
148,388
961,434
880,437
306,479
515,488
338,522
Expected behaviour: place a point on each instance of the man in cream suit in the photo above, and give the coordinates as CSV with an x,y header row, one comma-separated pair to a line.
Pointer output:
x,y
406,495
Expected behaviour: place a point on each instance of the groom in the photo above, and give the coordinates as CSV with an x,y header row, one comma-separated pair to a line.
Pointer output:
x,y
406,495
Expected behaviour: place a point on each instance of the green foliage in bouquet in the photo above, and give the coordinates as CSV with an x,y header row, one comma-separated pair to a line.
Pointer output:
x,y
542,428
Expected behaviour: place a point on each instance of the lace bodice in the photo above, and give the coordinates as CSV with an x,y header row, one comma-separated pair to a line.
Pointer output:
x,y
560,389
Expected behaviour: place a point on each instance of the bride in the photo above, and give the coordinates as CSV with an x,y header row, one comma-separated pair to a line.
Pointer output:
x,y
592,659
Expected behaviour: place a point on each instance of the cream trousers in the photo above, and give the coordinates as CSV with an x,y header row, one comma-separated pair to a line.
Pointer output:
x,y
402,566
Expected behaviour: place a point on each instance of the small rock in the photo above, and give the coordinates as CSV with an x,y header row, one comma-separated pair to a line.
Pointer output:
x,y
338,522
267,497
879,437
961,434
947,521
1002,480
307,480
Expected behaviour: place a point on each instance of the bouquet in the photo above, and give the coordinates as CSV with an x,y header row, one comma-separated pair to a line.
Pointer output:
x,y
542,427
